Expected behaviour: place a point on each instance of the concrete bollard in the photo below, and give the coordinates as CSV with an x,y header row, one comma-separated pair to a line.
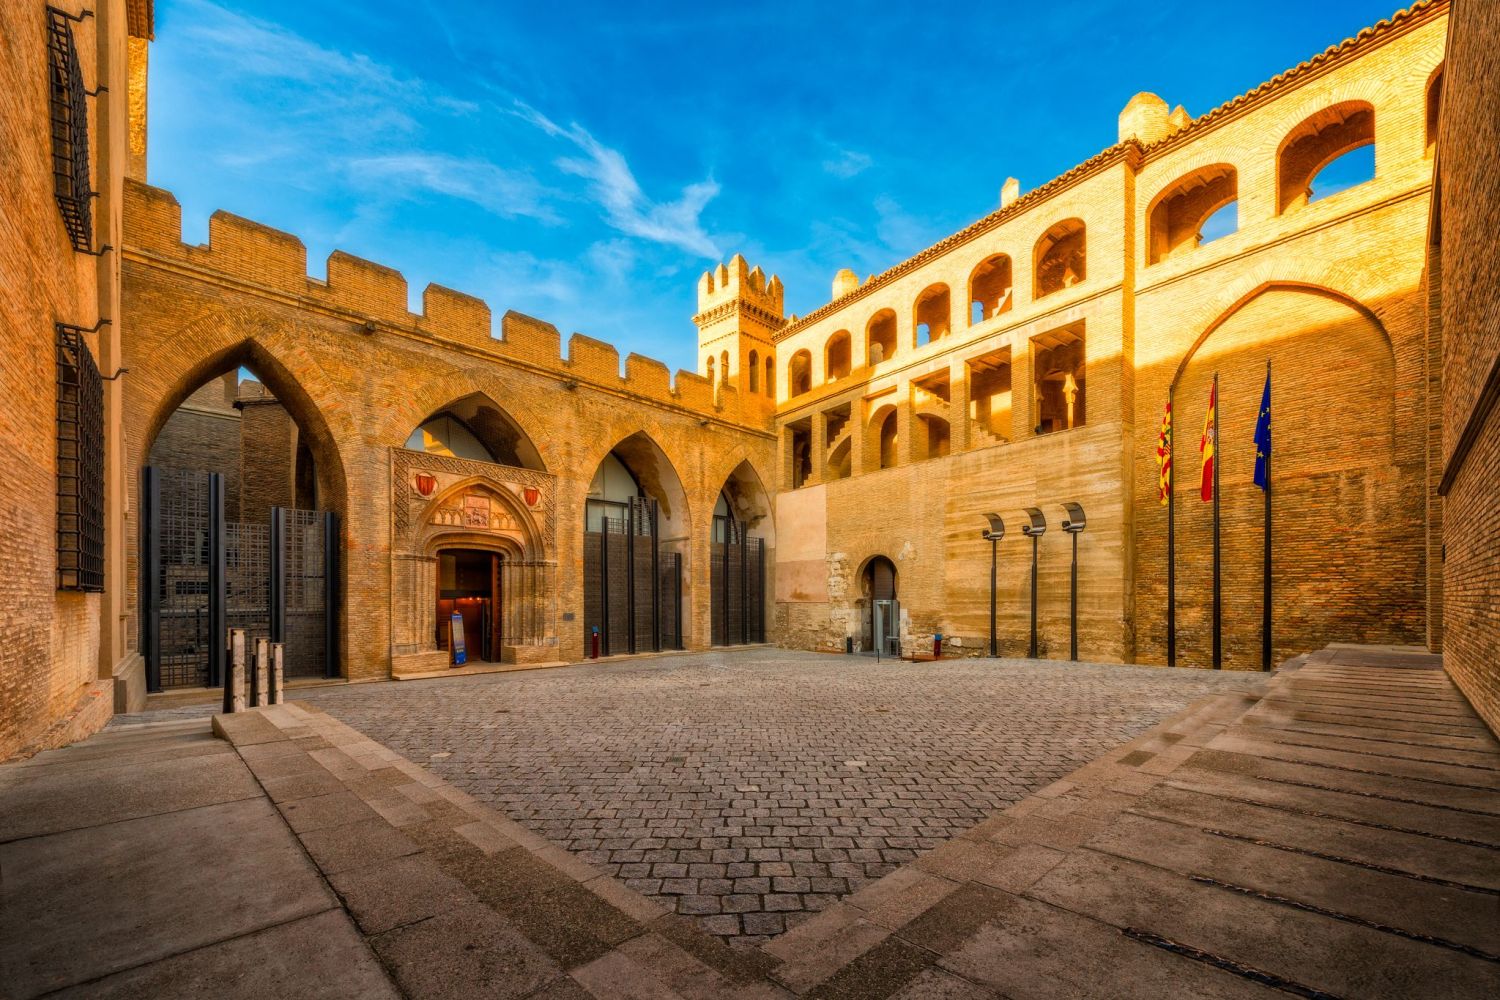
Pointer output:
x,y
234,684
278,652
260,676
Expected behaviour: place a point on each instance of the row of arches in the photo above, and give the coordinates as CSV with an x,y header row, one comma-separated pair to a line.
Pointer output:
x,y
1060,260
1325,153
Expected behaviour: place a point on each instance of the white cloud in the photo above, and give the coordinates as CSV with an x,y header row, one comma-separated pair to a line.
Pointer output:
x,y
626,207
507,193
847,163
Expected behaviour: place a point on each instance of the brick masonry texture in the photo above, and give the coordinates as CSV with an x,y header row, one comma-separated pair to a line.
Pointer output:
x,y
1470,330
49,641
752,788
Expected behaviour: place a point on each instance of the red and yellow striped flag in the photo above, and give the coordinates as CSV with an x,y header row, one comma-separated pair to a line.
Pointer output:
x,y
1164,457
1210,443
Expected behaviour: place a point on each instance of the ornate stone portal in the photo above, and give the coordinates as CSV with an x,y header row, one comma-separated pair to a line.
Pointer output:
x,y
439,502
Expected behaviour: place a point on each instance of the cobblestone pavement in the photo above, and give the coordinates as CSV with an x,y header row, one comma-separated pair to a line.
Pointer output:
x,y
753,788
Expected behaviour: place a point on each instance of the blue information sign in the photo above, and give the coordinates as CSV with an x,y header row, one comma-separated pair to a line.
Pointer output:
x,y
456,638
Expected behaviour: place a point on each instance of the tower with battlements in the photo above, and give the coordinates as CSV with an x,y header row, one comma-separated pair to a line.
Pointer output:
x,y
739,312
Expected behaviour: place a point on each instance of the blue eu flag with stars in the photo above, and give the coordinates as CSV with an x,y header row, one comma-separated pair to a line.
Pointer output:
x,y
1263,437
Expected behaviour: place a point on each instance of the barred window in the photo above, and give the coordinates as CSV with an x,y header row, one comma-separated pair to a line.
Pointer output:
x,y
70,131
80,464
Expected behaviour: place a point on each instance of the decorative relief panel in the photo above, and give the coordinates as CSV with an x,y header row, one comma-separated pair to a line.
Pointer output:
x,y
418,476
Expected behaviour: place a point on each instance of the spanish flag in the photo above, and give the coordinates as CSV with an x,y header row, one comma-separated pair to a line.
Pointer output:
x,y
1209,444
1164,457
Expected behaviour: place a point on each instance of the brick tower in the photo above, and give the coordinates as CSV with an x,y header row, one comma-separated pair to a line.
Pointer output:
x,y
739,311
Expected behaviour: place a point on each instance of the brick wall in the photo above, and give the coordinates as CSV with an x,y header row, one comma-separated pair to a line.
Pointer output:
x,y
1470,323
50,642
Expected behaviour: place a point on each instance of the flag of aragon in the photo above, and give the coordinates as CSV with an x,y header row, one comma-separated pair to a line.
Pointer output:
x,y
1164,457
1263,436
1210,443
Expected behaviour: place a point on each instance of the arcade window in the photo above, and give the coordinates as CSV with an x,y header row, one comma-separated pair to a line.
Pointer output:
x,y
69,112
80,465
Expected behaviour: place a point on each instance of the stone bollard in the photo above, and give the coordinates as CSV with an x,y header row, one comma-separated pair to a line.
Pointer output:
x,y
278,652
234,684
260,673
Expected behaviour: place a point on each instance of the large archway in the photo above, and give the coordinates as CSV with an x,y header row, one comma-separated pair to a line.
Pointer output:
x,y
635,543
238,494
1344,540
741,545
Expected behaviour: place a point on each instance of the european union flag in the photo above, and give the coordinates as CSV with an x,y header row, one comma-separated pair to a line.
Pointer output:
x,y
1263,437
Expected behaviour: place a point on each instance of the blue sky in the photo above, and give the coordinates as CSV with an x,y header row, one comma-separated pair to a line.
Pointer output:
x,y
585,162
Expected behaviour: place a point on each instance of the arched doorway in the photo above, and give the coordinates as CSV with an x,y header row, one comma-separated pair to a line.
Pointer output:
x,y
882,610
232,534
470,603
740,552
635,533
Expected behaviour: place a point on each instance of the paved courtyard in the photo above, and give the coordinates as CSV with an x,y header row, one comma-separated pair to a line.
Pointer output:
x,y
752,788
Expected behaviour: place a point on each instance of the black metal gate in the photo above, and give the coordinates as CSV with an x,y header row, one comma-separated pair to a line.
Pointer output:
x,y
632,589
737,583
202,575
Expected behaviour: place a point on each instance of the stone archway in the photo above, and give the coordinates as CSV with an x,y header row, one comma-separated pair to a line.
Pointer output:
x,y
1343,542
443,504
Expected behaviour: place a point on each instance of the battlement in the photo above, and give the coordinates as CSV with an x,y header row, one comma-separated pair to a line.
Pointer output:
x,y
374,295
738,281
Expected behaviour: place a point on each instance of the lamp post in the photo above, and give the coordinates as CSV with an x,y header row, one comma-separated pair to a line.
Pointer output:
x,y
994,533
1073,525
1034,528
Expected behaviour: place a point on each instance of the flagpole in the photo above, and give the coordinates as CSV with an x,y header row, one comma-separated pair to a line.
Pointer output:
x,y
1265,596
1171,534
1218,602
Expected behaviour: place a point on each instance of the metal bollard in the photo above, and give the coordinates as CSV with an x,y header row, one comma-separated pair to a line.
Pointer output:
x,y
234,684
260,672
278,651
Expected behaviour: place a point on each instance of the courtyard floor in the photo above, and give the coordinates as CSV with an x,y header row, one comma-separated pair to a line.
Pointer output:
x,y
752,788
1329,831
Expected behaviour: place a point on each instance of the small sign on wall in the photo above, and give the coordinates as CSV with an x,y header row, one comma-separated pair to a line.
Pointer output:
x,y
456,639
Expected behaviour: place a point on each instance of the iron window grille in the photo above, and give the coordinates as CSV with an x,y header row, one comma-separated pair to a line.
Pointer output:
x,y
80,464
71,175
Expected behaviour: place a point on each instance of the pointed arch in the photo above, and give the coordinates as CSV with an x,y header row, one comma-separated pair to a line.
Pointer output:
x,y
300,403
501,437
1262,289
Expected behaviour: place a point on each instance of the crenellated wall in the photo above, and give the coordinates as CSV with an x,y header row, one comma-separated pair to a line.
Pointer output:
x,y
269,260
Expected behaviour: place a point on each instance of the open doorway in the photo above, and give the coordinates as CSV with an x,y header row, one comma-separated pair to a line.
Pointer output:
x,y
469,586
882,626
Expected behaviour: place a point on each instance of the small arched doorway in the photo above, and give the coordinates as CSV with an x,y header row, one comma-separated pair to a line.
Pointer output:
x,y
470,601
882,609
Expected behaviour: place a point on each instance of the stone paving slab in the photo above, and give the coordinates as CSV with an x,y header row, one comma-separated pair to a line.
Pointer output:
x,y
140,864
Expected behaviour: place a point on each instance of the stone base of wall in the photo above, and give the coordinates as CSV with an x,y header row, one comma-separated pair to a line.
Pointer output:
x,y
130,684
94,707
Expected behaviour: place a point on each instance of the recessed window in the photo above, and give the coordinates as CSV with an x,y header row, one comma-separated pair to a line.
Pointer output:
x,y
1058,365
1329,152
80,464
1196,209
1061,257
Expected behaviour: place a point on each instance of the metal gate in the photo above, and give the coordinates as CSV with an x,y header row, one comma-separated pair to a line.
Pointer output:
x,y
737,582
202,575
632,589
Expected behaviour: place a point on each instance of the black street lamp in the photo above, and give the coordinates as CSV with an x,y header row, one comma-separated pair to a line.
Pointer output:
x,y
1035,528
994,533
1073,525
